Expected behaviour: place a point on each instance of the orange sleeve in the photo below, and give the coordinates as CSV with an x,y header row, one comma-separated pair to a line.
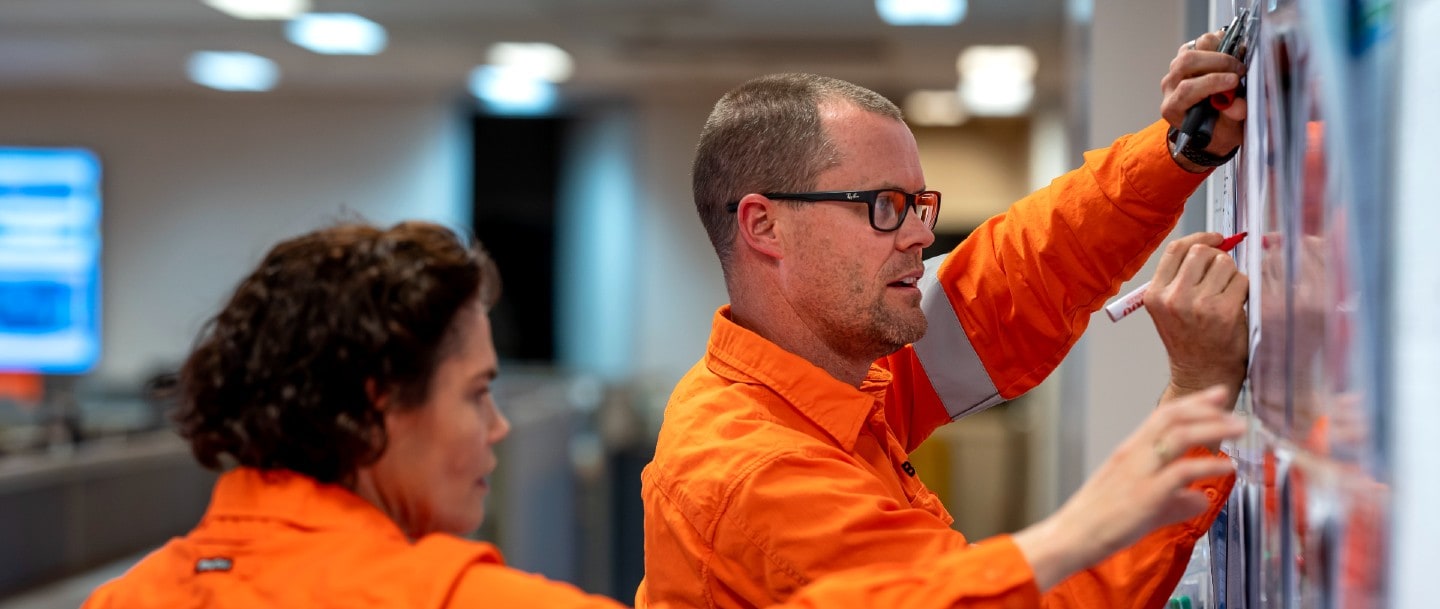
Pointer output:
x,y
785,542
989,575
1023,286
1143,575
912,406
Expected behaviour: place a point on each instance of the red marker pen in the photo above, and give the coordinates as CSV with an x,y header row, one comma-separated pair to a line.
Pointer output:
x,y
1128,303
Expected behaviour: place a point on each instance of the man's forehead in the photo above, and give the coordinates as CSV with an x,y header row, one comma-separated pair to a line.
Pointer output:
x,y
871,155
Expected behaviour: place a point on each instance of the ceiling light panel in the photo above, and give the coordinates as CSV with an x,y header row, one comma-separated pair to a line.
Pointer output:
x,y
261,9
921,12
997,80
232,71
508,91
336,34
541,60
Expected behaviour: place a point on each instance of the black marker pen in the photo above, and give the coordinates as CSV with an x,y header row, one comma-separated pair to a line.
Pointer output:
x,y
1199,124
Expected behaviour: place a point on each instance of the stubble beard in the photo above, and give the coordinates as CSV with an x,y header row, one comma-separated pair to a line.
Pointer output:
x,y
869,331
894,329
879,330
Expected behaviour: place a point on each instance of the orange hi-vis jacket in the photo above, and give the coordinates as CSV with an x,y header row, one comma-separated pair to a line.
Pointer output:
x,y
280,539
770,473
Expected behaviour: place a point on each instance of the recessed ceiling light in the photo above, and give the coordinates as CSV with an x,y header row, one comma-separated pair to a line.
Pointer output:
x,y
539,59
997,80
921,12
336,34
261,9
233,71
505,90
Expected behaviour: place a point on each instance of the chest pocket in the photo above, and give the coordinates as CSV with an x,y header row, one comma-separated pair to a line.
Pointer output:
x,y
890,461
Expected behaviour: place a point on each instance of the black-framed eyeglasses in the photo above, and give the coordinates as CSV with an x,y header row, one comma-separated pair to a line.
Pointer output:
x,y
888,207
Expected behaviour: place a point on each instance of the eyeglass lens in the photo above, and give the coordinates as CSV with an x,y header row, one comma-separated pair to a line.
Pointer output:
x,y
890,209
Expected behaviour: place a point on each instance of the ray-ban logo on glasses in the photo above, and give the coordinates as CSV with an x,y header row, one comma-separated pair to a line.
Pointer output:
x,y
852,196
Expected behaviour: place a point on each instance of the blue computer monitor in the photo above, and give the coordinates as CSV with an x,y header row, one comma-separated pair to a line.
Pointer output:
x,y
49,260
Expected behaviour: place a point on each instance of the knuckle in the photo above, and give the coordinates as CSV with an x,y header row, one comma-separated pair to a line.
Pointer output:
x,y
1124,452
1181,439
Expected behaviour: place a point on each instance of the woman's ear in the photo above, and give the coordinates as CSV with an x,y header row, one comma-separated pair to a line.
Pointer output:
x,y
757,218
380,400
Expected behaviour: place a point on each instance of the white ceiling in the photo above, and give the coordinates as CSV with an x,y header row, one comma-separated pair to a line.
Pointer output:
x,y
621,47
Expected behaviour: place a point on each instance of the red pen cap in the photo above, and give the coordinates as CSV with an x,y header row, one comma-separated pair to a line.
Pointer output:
x,y
1233,240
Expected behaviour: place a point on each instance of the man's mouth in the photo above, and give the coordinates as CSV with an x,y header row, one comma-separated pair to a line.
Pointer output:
x,y
910,280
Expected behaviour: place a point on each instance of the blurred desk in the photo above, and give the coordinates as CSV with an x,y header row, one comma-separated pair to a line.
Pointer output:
x,y
64,512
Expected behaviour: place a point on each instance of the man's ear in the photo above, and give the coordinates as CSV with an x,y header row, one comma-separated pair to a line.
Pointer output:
x,y
757,218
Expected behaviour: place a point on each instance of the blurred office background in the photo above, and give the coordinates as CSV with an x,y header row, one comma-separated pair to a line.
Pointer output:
x,y
570,161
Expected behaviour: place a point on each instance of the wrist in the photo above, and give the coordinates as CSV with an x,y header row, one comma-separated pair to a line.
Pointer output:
x,y
1195,161
1186,379
1053,552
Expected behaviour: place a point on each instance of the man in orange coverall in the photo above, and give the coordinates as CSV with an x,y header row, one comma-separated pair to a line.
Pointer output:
x,y
783,455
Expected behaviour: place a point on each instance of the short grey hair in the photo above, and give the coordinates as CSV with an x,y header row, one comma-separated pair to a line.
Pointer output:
x,y
766,136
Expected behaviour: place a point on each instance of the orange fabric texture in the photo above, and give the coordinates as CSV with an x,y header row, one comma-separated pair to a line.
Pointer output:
x,y
280,539
770,473
1025,284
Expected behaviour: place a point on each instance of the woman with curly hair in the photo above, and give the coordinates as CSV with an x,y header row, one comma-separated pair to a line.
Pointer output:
x,y
344,391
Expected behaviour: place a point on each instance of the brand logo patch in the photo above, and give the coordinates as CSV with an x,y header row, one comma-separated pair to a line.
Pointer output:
x,y
218,563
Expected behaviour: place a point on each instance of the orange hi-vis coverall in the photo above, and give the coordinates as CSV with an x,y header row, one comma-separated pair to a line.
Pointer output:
x,y
280,539
770,473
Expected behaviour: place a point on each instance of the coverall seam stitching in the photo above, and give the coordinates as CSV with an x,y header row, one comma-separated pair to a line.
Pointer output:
x,y
743,524
705,569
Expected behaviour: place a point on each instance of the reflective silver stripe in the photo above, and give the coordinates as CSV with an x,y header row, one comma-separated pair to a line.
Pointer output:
x,y
946,355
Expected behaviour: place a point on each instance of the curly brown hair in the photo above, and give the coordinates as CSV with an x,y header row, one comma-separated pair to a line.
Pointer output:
x,y
283,376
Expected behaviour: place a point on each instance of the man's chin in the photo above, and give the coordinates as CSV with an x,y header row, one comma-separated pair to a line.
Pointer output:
x,y
906,334
915,329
